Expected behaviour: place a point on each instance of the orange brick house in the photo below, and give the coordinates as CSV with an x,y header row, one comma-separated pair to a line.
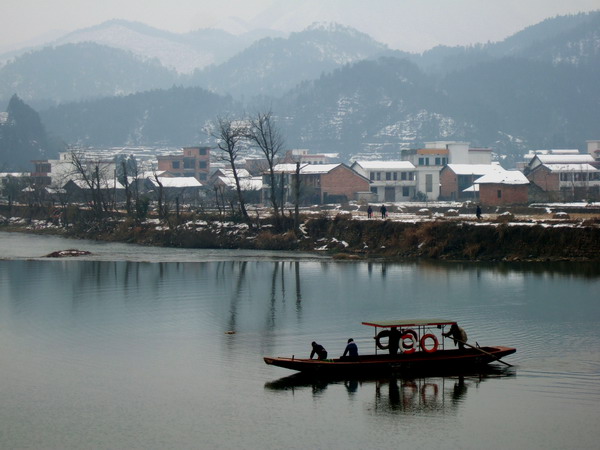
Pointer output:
x,y
192,162
319,183
503,187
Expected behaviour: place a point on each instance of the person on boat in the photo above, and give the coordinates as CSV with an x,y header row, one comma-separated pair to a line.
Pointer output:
x,y
394,340
318,350
351,350
458,334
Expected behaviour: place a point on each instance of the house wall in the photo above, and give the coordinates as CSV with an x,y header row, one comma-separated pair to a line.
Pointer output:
x,y
493,194
343,181
192,162
544,179
449,184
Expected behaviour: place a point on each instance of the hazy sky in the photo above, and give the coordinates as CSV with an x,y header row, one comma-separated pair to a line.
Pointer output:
x,y
399,23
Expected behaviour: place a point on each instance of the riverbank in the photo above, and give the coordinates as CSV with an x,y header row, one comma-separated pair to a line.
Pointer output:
x,y
446,235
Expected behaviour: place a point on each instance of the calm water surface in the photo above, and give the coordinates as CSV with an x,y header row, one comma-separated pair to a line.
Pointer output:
x,y
129,348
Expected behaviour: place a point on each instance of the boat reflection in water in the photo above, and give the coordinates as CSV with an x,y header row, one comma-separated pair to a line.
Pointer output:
x,y
397,394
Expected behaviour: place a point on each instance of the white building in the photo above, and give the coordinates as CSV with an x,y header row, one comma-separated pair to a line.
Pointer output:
x,y
391,181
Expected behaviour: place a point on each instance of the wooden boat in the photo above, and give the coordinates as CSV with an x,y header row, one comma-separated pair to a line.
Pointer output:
x,y
420,349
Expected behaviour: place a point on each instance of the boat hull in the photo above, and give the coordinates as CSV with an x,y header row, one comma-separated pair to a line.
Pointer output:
x,y
438,362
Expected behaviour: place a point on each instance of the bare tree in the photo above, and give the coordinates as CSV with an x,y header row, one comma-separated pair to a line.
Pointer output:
x,y
266,136
229,135
94,176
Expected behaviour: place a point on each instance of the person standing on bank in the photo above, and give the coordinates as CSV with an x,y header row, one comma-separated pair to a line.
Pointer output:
x,y
478,212
383,211
369,212
318,350
351,350
458,334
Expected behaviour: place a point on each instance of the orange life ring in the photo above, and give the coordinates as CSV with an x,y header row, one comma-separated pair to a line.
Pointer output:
x,y
414,339
435,343
383,334
408,348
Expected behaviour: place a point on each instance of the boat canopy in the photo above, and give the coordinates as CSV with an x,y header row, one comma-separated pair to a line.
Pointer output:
x,y
409,323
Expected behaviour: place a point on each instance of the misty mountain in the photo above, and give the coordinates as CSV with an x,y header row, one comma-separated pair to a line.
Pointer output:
x,y
273,66
80,71
573,39
539,90
172,117
182,53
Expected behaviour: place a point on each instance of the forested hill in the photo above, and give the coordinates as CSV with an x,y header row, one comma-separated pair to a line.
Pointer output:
x,y
537,89
176,116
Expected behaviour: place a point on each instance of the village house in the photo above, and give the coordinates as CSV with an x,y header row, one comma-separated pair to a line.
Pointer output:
x,y
110,190
192,162
502,187
564,177
223,181
56,172
179,189
319,183
430,160
390,181
456,179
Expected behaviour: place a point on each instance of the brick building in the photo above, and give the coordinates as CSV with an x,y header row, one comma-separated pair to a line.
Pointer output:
x,y
192,162
503,187
319,183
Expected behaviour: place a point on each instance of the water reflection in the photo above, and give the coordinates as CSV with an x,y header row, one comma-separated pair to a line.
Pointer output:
x,y
397,395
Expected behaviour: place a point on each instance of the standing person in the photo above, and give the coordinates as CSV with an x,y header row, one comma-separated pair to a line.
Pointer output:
x,y
394,340
351,350
318,350
478,212
458,334
383,211
369,212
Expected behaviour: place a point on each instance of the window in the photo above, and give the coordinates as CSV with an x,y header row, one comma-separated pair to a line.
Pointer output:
x,y
202,164
378,176
403,175
395,176
428,183
175,164
499,193
374,190
411,176
372,176
438,161
405,191
421,161
189,163
388,176
203,151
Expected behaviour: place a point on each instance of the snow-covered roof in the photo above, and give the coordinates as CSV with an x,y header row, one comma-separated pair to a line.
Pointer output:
x,y
318,168
503,177
565,159
306,169
474,169
571,168
106,184
386,165
287,168
247,184
176,182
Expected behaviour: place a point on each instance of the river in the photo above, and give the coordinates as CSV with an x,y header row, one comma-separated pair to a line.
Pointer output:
x,y
152,348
